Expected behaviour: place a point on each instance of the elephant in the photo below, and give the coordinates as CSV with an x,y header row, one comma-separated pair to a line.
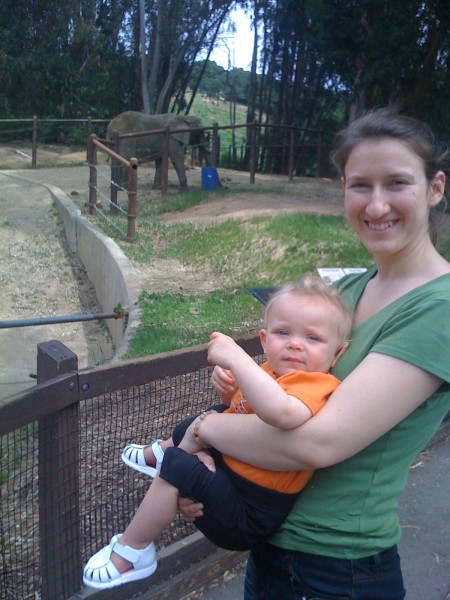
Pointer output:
x,y
147,148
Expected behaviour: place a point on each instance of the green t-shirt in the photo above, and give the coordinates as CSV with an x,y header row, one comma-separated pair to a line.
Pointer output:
x,y
349,510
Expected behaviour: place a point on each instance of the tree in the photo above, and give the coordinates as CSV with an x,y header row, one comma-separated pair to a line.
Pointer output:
x,y
178,32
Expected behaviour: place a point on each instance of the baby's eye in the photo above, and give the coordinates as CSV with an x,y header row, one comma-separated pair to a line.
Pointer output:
x,y
313,338
282,332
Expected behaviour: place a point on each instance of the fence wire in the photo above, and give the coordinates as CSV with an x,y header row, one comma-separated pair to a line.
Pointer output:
x,y
109,492
107,199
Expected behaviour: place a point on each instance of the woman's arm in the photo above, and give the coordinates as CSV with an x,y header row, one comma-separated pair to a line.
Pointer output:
x,y
376,396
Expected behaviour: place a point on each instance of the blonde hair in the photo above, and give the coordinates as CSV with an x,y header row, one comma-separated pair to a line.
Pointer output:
x,y
312,286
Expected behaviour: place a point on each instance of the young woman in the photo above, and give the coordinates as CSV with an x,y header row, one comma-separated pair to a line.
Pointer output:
x,y
339,540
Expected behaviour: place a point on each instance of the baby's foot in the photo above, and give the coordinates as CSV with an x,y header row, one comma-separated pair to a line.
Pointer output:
x,y
146,459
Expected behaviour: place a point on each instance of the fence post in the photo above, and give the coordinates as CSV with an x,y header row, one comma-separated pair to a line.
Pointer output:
x,y
252,151
320,153
92,153
58,471
291,153
215,146
34,143
164,161
116,171
132,199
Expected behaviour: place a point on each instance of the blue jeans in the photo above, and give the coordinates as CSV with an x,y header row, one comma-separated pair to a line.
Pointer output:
x,y
274,573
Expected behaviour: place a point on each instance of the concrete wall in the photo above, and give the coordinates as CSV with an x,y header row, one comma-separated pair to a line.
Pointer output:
x,y
106,265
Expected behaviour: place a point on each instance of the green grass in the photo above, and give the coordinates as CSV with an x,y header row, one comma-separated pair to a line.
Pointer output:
x,y
232,256
172,321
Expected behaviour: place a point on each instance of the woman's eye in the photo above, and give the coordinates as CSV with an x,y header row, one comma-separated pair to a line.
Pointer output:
x,y
358,186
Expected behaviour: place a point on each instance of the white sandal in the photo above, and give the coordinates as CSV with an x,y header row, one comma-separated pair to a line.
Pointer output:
x,y
100,573
133,457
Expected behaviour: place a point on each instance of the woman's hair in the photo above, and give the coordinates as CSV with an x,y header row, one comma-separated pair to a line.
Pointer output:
x,y
311,286
388,123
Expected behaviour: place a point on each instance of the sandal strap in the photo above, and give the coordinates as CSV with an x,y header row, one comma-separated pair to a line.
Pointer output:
x,y
126,552
157,452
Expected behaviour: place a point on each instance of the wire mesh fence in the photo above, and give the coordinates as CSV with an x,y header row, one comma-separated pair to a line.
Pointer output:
x,y
104,493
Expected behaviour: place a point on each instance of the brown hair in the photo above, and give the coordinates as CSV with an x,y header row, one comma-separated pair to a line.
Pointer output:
x,y
388,123
313,286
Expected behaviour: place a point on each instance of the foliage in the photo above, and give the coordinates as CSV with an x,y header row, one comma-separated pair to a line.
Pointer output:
x,y
316,62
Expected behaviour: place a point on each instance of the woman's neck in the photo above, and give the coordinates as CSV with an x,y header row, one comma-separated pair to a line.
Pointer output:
x,y
395,278
423,264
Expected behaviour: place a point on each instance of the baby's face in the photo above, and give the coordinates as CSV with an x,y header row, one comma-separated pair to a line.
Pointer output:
x,y
301,335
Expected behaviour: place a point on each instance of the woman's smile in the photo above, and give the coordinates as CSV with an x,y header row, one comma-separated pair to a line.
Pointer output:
x,y
381,226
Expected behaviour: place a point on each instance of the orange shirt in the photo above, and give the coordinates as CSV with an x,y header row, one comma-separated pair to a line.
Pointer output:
x,y
313,389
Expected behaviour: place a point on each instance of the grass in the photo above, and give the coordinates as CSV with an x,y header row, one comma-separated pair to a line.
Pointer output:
x,y
233,256
175,321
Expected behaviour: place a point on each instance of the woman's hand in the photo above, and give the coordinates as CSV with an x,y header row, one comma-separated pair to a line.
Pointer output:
x,y
189,509
206,458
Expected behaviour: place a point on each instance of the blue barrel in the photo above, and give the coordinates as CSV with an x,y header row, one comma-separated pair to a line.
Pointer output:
x,y
210,179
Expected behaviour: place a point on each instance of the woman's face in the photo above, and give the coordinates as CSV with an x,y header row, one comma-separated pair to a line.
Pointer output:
x,y
387,196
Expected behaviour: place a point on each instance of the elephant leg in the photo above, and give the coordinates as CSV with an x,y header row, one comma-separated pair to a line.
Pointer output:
x,y
158,168
178,163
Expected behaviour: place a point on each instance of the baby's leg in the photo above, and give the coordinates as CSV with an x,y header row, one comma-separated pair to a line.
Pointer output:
x,y
156,512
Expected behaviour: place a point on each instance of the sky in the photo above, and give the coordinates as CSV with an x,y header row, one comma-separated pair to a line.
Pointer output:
x,y
240,46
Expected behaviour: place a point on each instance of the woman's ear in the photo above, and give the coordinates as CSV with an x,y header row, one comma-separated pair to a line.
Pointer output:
x,y
343,183
436,189
339,352
262,338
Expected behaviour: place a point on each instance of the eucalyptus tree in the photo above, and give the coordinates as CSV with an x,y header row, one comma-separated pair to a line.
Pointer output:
x,y
176,33
323,61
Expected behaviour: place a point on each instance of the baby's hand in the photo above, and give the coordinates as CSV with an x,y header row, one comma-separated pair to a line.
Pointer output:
x,y
224,382
223,350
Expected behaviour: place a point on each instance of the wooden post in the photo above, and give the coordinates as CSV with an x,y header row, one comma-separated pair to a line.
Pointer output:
x,y
58,474
291,153
132,199
116,170
319,154
165,160
215,146
252,151
92,174
34,144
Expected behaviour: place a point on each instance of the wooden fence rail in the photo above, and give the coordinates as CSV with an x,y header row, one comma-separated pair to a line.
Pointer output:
x,y
95,144
64,489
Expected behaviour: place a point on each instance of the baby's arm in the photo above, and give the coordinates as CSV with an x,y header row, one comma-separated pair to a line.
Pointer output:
x,y
225,384
265,396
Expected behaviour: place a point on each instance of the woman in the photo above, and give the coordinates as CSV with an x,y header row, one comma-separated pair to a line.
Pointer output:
x,y
339,540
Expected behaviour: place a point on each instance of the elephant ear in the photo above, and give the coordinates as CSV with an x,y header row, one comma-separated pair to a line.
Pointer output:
x,y
183,123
